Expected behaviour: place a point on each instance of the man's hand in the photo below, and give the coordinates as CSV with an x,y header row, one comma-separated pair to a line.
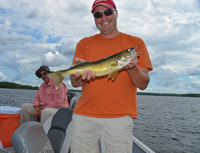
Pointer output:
x,y
87,73
132,63
37,112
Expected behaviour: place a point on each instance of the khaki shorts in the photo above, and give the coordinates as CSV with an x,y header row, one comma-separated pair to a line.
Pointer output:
x,y
114,135
27,110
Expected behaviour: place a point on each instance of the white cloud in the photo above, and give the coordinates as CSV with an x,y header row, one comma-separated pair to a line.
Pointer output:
x,y
56,59
195,80
194,71
2,77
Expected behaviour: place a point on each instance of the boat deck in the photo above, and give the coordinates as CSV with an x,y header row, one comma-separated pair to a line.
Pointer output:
x,y
138,147
7,150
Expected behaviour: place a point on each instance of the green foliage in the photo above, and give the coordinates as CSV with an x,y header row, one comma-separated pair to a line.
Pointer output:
x,y
11,85
169,94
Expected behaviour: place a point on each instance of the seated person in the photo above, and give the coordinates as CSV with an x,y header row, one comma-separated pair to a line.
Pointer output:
x,y
47,100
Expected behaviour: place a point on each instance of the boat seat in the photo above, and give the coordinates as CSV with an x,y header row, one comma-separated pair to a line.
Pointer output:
x,y
58,129
72,99
31,138
54,133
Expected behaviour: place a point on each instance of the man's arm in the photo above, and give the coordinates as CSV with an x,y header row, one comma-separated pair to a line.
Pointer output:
x,y
139,75
36,105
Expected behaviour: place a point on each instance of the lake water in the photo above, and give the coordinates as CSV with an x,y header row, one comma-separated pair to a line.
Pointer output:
x,y
165,124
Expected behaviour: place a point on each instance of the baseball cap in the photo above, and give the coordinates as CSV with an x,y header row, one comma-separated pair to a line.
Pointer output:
x,y
107,3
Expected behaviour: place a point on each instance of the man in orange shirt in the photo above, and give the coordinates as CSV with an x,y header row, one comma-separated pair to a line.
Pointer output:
x,y
105,109
47,100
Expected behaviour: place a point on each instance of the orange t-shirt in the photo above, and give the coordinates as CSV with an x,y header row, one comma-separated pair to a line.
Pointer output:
x,y
102,97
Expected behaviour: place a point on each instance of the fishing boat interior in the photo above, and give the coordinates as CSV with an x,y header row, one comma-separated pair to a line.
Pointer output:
x,y
54,136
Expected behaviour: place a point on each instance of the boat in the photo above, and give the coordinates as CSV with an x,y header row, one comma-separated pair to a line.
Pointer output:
x,y
54,136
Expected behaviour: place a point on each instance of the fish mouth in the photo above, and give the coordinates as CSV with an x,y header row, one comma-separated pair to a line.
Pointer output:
x,y
131,50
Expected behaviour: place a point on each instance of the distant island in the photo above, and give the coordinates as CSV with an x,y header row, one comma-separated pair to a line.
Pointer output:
x,y
169,94
12,85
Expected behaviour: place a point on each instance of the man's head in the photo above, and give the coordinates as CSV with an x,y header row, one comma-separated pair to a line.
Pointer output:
x,y
105,16
43,72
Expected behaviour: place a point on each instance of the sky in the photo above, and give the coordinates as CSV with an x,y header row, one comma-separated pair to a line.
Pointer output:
x,y
35,33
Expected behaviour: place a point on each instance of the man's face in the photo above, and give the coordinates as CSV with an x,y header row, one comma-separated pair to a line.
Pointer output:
x,y
106,24
44,76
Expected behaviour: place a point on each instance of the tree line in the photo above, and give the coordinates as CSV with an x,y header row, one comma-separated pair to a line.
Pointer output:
x,y
12,85
170,94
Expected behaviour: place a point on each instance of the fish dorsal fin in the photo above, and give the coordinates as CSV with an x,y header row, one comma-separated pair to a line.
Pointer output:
x,y
113,75
78,63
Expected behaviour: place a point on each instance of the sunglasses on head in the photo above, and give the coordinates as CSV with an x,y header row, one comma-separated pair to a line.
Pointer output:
x,y
98,15
43,74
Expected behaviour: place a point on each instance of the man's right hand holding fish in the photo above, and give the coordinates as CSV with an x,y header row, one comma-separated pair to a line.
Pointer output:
x,y
87,75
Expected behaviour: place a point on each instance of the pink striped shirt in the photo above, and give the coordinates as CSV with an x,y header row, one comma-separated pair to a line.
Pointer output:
x,y
48,97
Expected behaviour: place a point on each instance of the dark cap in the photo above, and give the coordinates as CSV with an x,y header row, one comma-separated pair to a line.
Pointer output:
x,y
42,68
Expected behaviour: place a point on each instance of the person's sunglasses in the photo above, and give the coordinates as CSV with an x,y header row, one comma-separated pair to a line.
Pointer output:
x,y
98,15
43,74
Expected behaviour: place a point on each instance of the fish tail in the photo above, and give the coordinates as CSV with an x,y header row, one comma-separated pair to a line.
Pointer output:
x,y
58,78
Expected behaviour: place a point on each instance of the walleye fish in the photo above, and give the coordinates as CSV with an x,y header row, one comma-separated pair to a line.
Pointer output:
x,y
108,65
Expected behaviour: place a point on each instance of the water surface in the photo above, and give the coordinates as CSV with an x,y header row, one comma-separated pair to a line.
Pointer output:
x,y
165,124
